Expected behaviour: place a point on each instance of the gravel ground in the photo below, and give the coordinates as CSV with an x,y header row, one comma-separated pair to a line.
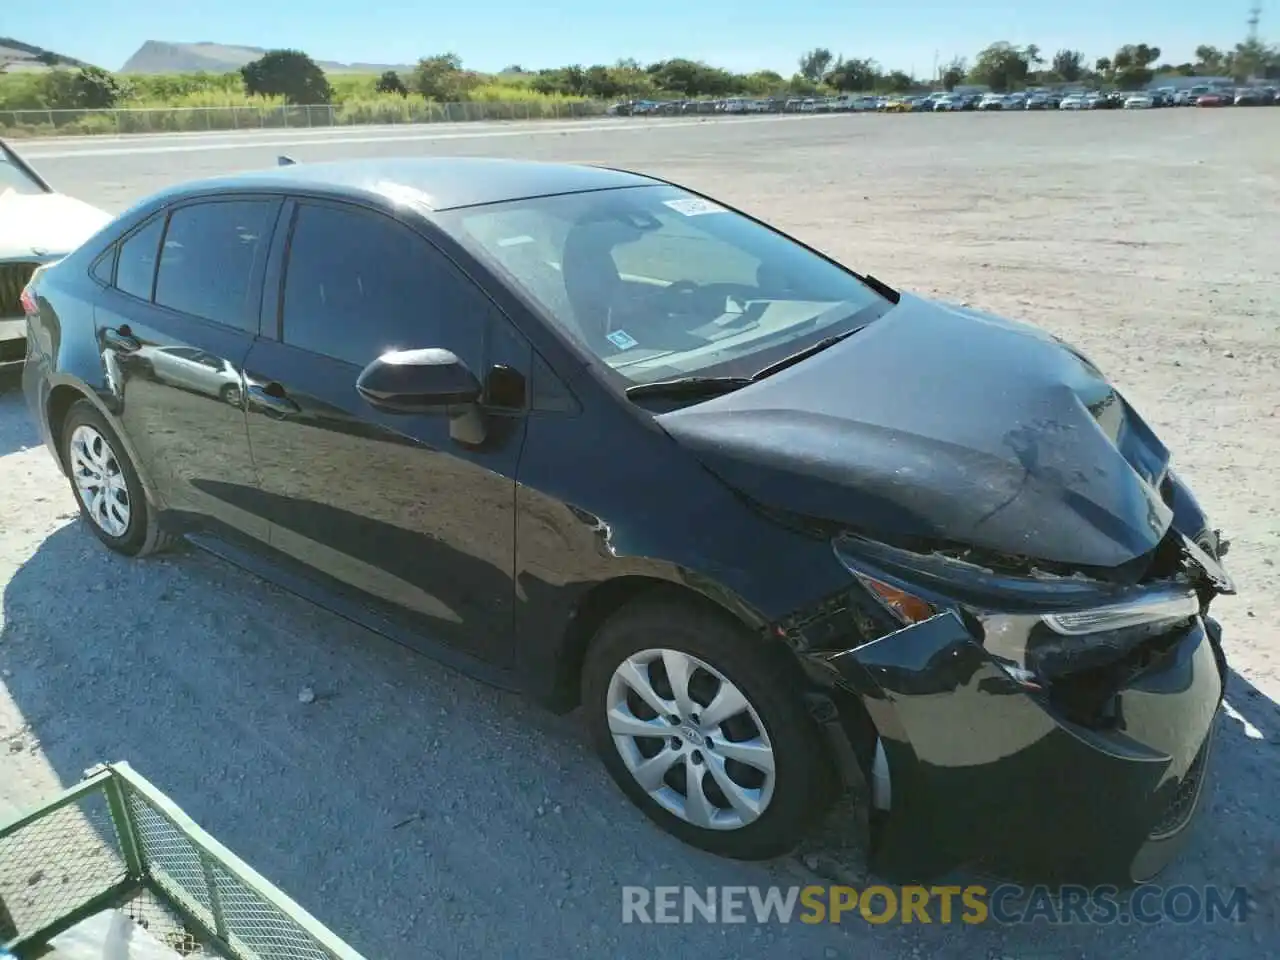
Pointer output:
x,y
419,813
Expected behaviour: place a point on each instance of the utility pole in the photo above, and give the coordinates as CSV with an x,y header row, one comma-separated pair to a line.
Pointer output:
x,y
1255,14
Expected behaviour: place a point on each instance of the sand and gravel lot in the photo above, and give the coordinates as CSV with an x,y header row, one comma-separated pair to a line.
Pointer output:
x,y
421,814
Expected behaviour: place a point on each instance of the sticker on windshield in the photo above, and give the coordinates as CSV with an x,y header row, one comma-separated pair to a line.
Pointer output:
x,y
693,206
622,340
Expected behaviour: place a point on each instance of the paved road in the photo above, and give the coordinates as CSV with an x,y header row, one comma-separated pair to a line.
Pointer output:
x,y
421,814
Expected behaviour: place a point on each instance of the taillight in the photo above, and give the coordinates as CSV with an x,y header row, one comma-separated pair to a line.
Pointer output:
x,y
28,301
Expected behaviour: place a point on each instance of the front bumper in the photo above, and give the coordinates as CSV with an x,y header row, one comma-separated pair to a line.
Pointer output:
x,y
989,776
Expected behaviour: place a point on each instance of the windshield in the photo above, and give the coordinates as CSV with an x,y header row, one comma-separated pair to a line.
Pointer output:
x,y
658,283
13,176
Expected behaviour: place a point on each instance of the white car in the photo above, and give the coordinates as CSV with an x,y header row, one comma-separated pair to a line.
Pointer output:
x,y
192,369
1139,101
1074,102
948,104
38,225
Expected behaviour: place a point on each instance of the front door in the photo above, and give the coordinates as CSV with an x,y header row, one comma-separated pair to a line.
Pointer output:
x,y
419,521
176,322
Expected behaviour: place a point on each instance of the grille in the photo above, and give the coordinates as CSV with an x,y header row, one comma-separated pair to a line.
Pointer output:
x,y
13,277
1183,803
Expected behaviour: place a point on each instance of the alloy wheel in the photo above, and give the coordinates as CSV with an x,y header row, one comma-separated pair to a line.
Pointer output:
x,y
691,739
99,481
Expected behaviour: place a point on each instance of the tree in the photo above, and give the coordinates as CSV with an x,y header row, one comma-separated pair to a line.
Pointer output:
x,y
1209,60
764,82
390,82
953,74
1131,65
290,74
815,64
1068,65
692,78
899,82
93,88
442,79
854,75
1250,59
1001,66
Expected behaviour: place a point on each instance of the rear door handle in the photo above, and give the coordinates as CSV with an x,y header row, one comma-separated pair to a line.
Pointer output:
x,y
272,400
121,339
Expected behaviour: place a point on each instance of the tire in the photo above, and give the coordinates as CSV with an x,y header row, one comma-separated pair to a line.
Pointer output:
x,y
803,782
230,394
133,531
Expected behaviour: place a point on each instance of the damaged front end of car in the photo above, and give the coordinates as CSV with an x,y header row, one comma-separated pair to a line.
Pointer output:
x,y
1033,724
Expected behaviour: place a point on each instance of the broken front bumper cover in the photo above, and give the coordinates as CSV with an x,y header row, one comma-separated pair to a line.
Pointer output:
x,y
987,774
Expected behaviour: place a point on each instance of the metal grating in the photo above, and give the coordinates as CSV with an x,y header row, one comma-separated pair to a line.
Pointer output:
x,y
248,922
153,913
55,865
170,858
114,841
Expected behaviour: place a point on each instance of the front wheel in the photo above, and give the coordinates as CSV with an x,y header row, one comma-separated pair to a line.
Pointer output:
x,y
704,729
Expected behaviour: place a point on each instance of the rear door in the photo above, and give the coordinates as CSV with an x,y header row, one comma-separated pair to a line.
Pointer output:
x,y
176,319
417,525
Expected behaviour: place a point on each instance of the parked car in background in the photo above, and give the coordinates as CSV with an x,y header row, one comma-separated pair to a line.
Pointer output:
x,y
1075,101
683,491
38,225
1250,97
1213,99
993,101
190,368
949,104
1139,101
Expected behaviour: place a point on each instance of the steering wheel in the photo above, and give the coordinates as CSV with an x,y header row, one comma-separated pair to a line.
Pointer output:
x,y
676,294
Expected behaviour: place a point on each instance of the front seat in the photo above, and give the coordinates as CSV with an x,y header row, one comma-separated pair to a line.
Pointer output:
x,y
591,278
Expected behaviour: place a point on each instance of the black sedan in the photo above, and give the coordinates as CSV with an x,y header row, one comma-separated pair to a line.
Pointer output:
x,y
780,529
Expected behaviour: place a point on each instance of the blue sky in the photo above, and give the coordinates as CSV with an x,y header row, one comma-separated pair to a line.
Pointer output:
x,y
744,35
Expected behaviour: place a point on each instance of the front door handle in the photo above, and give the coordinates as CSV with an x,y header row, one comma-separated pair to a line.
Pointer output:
x,y
121,339
271,399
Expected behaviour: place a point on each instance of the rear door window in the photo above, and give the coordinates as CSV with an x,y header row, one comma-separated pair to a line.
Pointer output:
x,y
210,258
136,262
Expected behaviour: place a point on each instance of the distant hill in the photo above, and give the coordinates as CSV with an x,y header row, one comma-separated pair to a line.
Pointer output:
x,y
159,56
16,55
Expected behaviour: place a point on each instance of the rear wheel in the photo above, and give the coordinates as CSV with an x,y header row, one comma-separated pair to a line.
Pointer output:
x,y
106,485
703,729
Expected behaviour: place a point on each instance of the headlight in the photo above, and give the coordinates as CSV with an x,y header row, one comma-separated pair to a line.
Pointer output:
x,y
1156,607
1038,626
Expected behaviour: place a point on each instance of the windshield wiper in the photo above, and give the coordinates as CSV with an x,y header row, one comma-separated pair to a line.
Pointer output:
x,y
805,354
687,387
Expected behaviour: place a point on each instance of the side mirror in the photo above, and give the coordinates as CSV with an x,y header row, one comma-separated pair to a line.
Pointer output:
x,y
418,381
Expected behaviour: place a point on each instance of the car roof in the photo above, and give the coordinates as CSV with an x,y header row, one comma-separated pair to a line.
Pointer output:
x,y
432,183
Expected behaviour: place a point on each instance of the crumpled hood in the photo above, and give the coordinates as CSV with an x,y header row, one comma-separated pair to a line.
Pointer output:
x,y
942,423
45,224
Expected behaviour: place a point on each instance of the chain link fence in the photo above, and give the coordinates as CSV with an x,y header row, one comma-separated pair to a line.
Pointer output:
x,y
46,123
